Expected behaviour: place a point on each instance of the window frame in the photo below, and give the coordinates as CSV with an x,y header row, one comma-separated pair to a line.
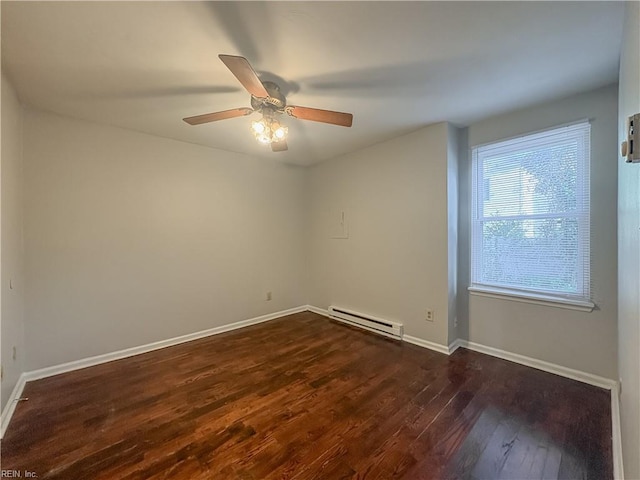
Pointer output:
x,y
581,301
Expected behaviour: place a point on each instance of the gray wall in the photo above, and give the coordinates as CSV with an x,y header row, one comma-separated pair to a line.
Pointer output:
x,y
453,150
579,340
629,250
11,251
132,238
395,262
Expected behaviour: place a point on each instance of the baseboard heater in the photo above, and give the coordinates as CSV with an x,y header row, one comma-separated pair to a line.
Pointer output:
x,y
368,322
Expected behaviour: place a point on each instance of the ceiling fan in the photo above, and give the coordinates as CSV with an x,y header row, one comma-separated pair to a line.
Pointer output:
x,y
267,99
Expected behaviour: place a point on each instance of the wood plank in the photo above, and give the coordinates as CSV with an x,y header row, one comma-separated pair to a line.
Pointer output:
x,y
302,398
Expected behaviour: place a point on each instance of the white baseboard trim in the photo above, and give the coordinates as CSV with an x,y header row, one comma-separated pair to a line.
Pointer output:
x,y
584,377
616,435
426,344
457,343
595,380
10,407
7,413
129,352
405,338
578,375
319,311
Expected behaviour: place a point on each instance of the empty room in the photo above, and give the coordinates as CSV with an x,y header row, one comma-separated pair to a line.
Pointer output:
x,y
320,240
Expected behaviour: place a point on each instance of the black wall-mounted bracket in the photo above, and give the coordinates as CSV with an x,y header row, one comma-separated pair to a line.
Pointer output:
x,y
630,148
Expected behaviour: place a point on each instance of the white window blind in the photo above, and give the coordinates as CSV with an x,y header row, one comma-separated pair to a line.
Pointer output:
x,y
530,214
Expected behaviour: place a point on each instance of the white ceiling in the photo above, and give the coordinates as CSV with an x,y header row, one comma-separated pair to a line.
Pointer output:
x,y
397,66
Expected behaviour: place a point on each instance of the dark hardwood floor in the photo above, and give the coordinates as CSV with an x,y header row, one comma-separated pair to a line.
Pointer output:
x,y
305,398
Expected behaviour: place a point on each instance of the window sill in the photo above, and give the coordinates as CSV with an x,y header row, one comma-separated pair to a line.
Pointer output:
x,y
582,306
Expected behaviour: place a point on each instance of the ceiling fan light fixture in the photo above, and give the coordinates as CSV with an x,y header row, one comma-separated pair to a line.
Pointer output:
x,y
264,139
258,127
280,133
267,99
268,130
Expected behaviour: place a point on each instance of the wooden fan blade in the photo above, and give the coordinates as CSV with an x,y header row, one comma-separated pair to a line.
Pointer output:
x,y
324,116
214,117
280,146
245,74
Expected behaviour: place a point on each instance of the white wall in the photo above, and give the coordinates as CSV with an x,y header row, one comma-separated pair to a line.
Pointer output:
x,y
11,251
132,238
395,262
629,250
578,340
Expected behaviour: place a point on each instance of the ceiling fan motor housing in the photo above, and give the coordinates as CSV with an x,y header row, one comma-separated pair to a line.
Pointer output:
x,y
275,100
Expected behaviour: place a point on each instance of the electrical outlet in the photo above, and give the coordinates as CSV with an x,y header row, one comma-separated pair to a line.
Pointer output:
x,y
14,353
1,372
268,296
455,322
430,316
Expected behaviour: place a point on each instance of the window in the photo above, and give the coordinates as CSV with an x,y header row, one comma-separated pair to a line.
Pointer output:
x,y
530,216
